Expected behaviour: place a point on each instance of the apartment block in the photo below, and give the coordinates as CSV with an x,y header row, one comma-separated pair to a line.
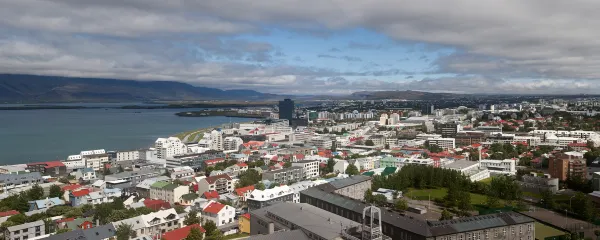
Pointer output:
x,y
311,168
285,175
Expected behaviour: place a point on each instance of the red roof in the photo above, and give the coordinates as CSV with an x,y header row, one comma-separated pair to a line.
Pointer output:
x,y
242,190
9,213
211,194
214,207
246,215
213,179
181,233
577,145
80,193
214,161
70,187
65,220
50,164
156,204
242,165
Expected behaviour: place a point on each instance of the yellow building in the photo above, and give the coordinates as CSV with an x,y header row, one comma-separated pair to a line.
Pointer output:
x,y
244,223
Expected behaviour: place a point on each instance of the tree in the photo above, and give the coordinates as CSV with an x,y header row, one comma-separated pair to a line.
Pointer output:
x,y
210,228
387,146
464,201
74,212
379,200
55,191
191,218
330,165
287,165
401,205
195,234
103,212
492,202
179,209
121,169
260,186
124,232
583,206
106,171
446,215
118,204
352,170
597,233
63,230
35,193
368,196
249,177
369,143
548,200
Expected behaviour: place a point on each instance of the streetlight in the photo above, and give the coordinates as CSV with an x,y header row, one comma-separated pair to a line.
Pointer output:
x,y
566,214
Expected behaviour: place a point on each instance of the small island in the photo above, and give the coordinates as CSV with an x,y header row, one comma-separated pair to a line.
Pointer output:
x,y
209,113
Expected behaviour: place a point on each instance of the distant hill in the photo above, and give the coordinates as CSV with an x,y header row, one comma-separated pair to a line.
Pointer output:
x,y
33,88
408,95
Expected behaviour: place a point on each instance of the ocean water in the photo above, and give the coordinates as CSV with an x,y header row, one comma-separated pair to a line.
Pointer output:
x,y
43,135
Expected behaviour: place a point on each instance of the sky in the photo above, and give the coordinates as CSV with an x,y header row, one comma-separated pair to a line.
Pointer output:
x,y
312,46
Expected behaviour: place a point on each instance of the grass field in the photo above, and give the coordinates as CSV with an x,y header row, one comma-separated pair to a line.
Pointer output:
x,y
543,231
487,180
423,194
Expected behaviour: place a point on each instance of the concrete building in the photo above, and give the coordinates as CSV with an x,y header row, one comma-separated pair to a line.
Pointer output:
x,y
500,226
563,166
135,177
297,221
232,143
506,166
311,168
182,173
284,175
321,142
221,183
85,174
128,155
262,198
219,213
212,140
143,188
25,231
19,179
471,169
52,168
444,143
168,192
448,130
353,187
538,184
154,224
169,147
194,160
469,138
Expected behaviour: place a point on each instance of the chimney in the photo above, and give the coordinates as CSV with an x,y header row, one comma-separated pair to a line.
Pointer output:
x,y
271,228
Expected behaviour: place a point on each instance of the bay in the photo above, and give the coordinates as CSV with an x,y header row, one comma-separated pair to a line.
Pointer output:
x,y
53,134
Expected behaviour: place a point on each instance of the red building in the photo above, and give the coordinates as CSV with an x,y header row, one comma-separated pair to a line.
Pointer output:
x,y
181,233
563,166
52,168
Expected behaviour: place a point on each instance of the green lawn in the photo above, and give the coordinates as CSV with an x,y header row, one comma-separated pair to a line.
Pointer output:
x,y
234,236
487,181
543,231
423,194
533,195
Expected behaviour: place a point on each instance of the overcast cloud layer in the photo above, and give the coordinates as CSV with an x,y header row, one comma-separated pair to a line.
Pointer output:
x,y
504,46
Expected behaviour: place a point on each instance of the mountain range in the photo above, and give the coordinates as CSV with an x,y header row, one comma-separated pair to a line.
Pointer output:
x,y
38,89
33,88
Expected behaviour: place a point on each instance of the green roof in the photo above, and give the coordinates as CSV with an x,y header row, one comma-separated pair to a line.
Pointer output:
x,y
170,186
370,174
159,184
189,196
389,159
388,171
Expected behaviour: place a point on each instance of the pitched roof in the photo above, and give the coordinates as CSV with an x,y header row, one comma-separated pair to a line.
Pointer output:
x,y
49,164
159,184
213,179
80,193
70,187
156,204
189,196
9,213
181,233
214,207
211,194
242,190
246,215
242,164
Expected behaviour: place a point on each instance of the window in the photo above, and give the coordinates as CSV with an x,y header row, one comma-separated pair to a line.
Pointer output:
x,y
16,232
37,228
26,230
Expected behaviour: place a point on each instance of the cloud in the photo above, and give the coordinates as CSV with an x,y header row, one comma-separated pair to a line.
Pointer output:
x,y
364,46
335,50
347,58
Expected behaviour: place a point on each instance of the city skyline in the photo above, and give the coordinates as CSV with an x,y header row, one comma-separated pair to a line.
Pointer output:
x,y
293,47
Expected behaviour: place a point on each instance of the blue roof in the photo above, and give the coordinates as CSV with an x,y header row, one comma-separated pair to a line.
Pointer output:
x,y
53,201
85,170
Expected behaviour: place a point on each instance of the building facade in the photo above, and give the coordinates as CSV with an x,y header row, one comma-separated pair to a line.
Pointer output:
x,y
285,175
262,198
25,231
311,168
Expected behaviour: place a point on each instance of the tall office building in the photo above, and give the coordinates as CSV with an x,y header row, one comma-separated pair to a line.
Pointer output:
x,y
427,109
286,109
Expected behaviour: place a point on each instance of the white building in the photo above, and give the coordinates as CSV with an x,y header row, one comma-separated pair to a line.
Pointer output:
x,y
383,119
219,213
311,168
469,168
181,172
128,155
153,224
212,140
168,191
321,142
91,159
232,143
169,147
445,143
506,166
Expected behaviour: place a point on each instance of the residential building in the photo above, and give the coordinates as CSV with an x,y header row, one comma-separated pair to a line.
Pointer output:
x,y
236,169
25,231
232,143
85,174
134,177
284,175
104,232
169,192
52,168
19,179
45,203
390,161
219,213
489,129
184,172
321,142
286,109
497,226
212,140
154,224
448,130
169,147
444,143
95,159
128,155
341,165
244,223
311,168
353,187
471,169
563,166
244,192
220,183
143,188
469,138
300,219
537,184
195,160
182,233
506,166
262,198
